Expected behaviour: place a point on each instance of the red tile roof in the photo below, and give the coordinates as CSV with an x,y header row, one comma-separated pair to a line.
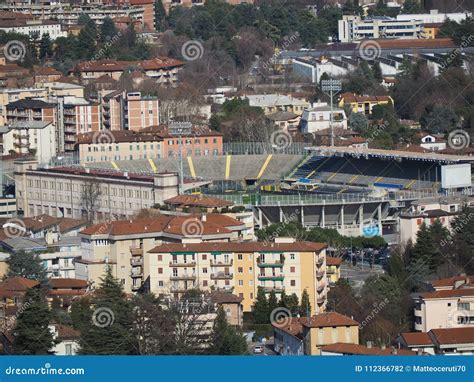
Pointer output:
x,y
241,247
66,332
449,282
119,66
448,293
219,297
355,349
329,319
217,224
417,338
453,336
333,260
65,283
16,286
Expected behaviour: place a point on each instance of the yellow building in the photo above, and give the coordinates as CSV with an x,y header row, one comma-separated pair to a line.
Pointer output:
x,y
240,267
363,104
333,269
307,335
431,30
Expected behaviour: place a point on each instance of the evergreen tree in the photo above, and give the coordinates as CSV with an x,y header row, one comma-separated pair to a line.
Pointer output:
x,y
225,339
160,16
27,265
107,30
260,308
272,301
293,303
305,308
110,328
32,335
46,47
283,300
425,250
86,41
81,314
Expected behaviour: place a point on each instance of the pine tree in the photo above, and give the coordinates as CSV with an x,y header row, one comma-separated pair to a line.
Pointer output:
x,y
46,47
27,265
110,328
272,302
283,300
107,30
86,41
293,303
32,335
225,339
160,15
305,307
425,250
260,308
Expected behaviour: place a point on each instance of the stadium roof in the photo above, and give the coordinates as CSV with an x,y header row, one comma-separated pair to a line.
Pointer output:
x,y
391,154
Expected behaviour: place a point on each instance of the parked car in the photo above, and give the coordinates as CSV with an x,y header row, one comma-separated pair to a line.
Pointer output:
x,y
258,349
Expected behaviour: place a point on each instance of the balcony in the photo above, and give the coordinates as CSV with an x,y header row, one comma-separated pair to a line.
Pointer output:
x,y
136,274
70,138
180,288
273,289
21,136
320,274
276,264
176,264
134,262
320,261
184,276
222,263
418,327
321,300
16,144
271,278
136,251
136,287
221,276
330,271
321,288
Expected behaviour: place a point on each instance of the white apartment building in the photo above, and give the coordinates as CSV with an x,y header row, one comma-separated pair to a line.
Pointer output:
x,y
271,103
34,27
435,17
450,305
354,28
318,118
313,69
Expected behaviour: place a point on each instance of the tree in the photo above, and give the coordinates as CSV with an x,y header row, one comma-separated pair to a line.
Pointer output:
x,y
425,249
305,307
160,16
260,307
153,326
90,196
272,301
32,335
110,327
412,6
27,265
46,47
293,303
461,241
81,314
107,30
225,339
439,119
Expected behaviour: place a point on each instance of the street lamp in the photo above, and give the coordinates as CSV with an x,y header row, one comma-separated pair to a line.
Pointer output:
x,y
332,87
179,129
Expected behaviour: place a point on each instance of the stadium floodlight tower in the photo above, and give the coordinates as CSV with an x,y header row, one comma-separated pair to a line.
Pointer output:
x,y
331,87
179,129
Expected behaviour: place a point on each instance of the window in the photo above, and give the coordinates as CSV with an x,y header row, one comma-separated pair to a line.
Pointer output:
x,y
161,283
239,257
293,283
241,282
464,306
68,349
204,283
240,270
160,257
292,256
204,270
175,272
160,271
204,257
292,269
241,295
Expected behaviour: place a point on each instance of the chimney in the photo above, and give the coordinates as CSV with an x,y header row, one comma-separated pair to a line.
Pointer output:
x,y
369,344
419,352
382,347
394,350
204,218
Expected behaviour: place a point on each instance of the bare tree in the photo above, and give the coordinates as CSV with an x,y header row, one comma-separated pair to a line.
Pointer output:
x,y
90,198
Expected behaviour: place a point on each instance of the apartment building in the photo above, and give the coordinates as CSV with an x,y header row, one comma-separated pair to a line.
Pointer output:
x,y
333,269
59,191
70,15
154,142
11,95
128,111
168,4
123,245
354,28
241,267
452,341
450,305
318,118
33,27
363,103
271,103
427,212
163,70
307,335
